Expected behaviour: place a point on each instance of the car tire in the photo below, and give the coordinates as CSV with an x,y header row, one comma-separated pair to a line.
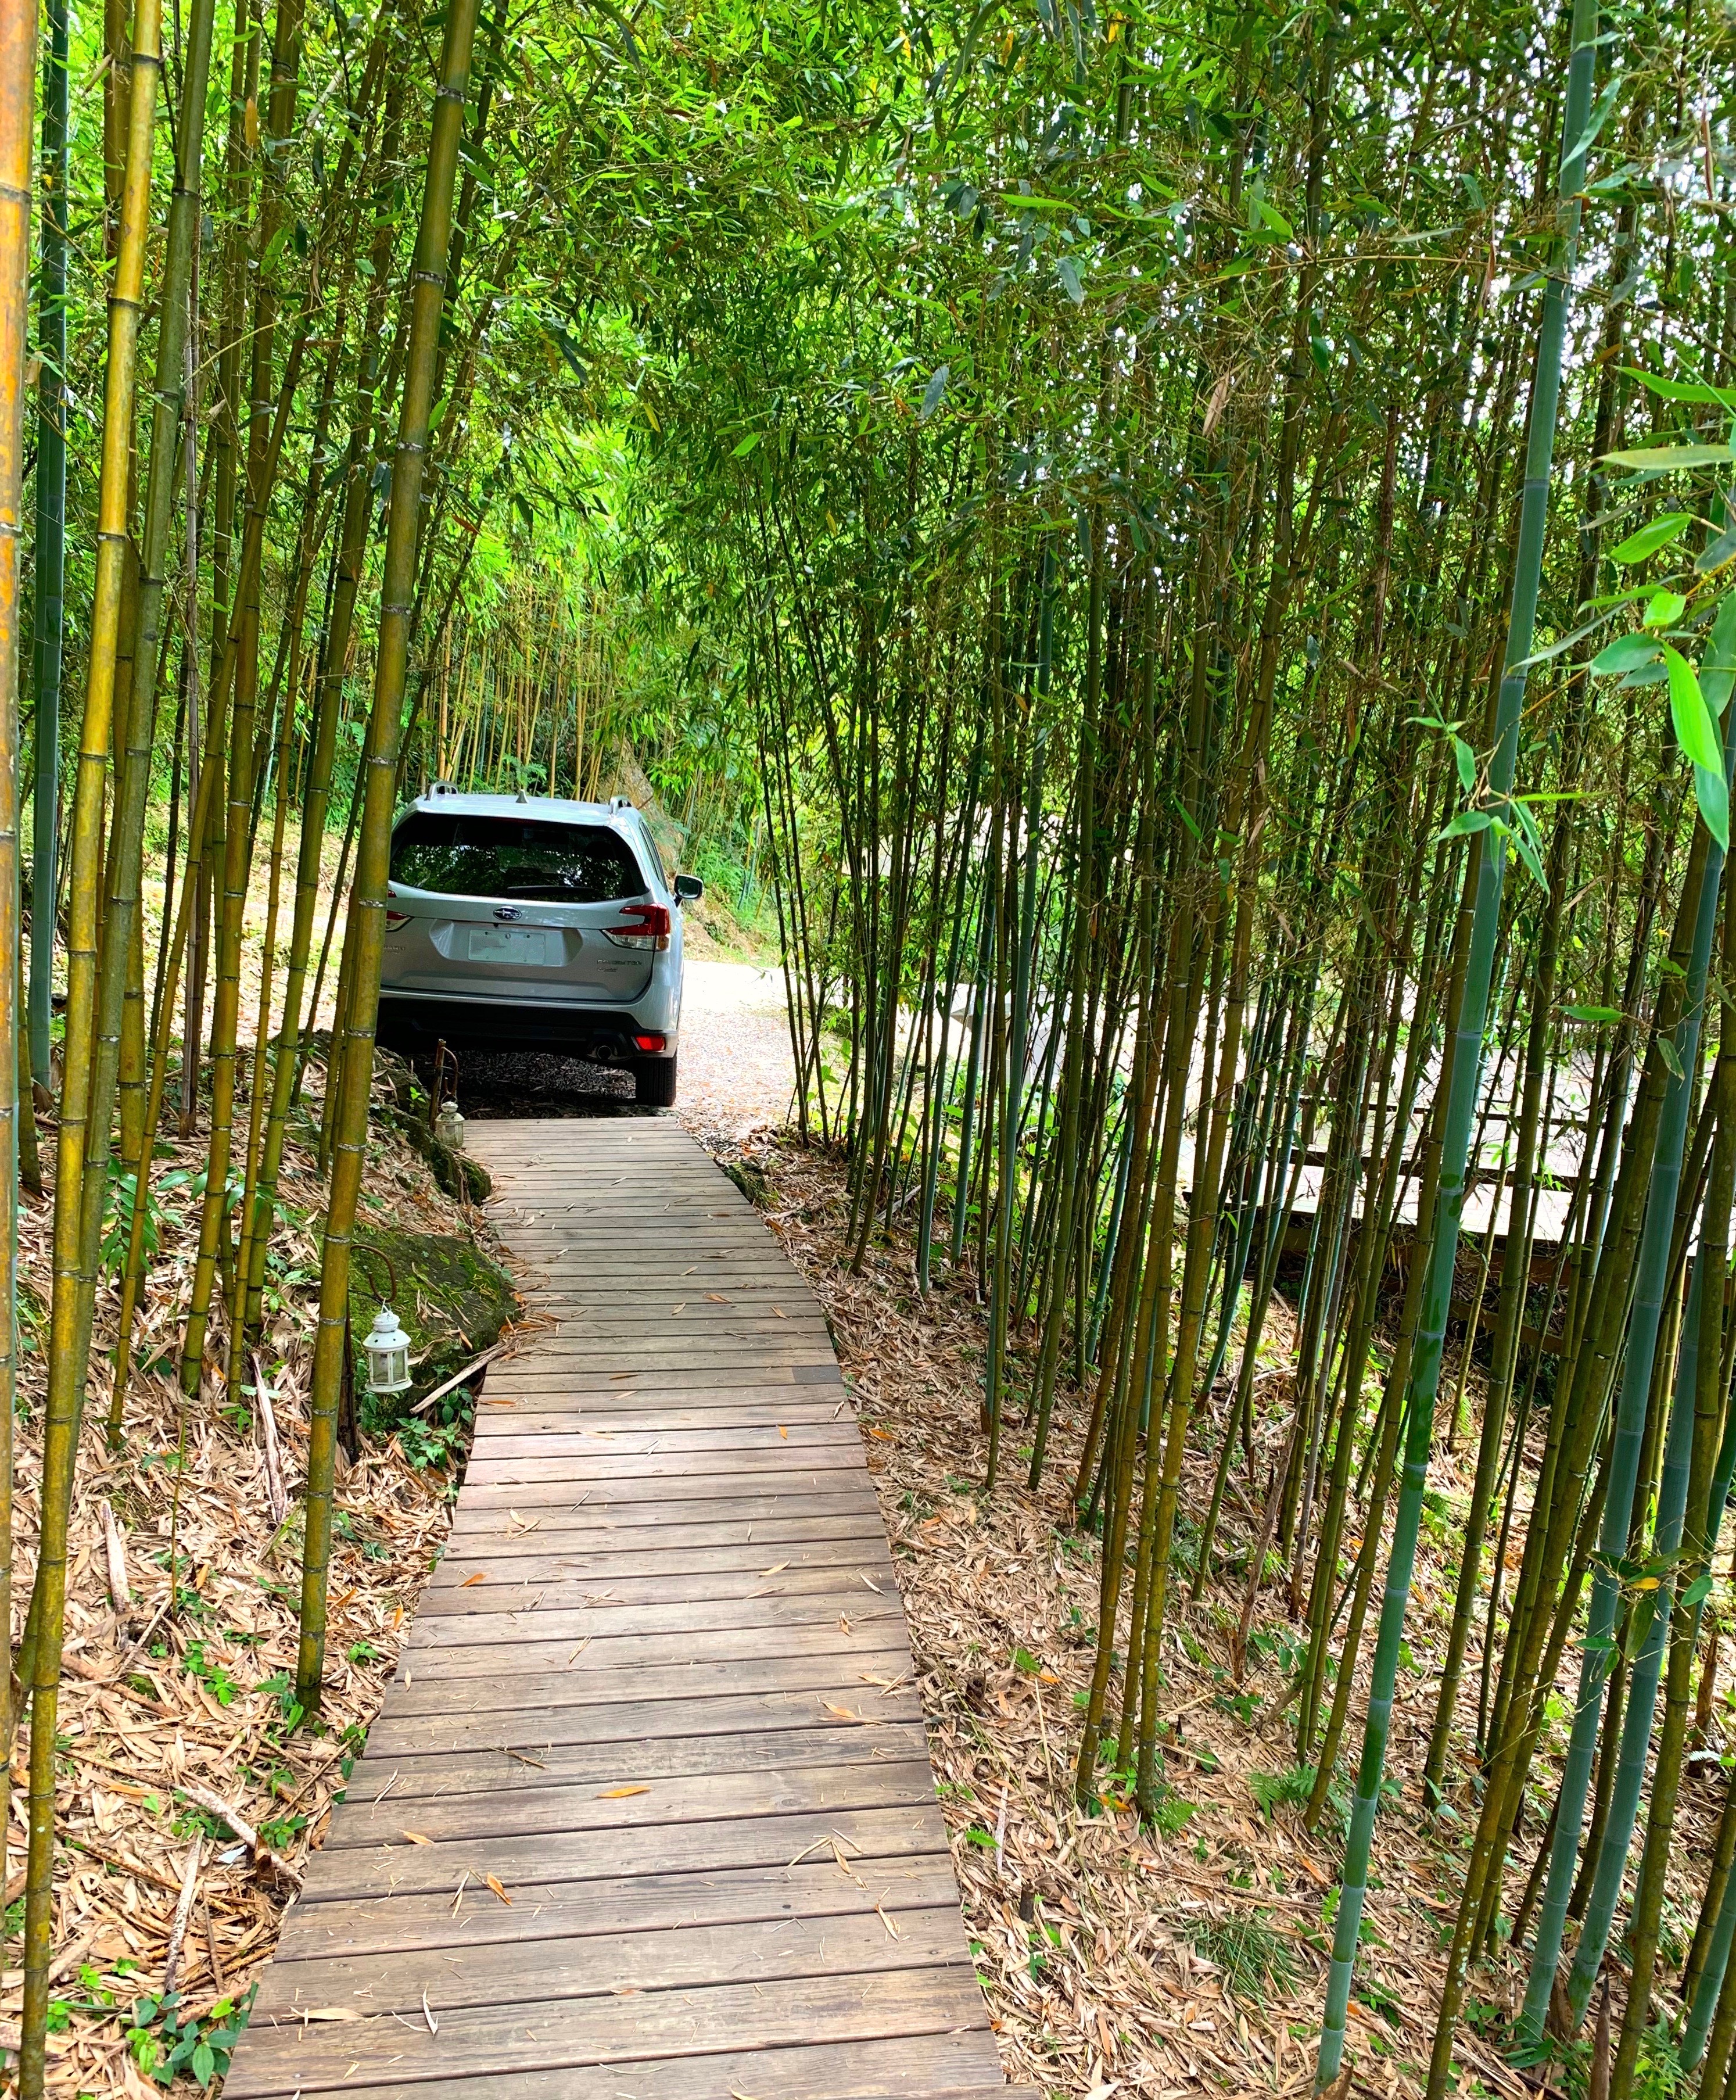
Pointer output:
x,y
654,1083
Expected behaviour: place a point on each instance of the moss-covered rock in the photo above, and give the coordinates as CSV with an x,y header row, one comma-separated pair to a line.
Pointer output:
x,y
463,1178
453,1302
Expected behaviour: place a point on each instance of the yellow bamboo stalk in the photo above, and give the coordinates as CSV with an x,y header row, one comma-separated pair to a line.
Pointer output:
x,y
17,77
66,1364
365,936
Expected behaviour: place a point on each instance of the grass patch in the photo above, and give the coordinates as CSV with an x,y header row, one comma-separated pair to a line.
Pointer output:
x,y
1254,1960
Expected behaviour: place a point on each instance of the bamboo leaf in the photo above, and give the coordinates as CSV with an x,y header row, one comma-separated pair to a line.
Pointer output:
x,y
1670,459
935,392
1713,796
1683,390
1573,156
1627,652
1694,730
1526,847
1554,649
1718,665
1067,271
1716,552
1641,545
1465,823
1601,1014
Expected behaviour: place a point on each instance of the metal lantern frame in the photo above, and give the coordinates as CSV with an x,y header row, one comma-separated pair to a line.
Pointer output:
x,y
387,1349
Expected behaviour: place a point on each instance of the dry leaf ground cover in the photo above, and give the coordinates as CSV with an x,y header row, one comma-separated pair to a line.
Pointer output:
x,y
177,1723
1115,1958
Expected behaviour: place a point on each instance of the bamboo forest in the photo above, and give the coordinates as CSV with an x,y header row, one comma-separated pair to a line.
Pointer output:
x,y
1173,574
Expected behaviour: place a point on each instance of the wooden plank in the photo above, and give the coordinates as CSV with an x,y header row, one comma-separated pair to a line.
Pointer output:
x,y
583,1384
577,1651
634,1715
622,1547
630,1801
380,1780
827,1491
660,1690
524,1863
587,1447
601,1623
773,1462
461,1595
531,1414
894,2069
581,1530
473,1916
509,2041
449,1694
589,1964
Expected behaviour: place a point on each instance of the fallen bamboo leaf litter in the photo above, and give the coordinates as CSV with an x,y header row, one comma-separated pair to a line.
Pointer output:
x,y
1121,1999
180,1726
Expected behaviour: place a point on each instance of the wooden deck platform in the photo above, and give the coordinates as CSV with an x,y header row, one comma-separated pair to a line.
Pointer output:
x,y
648,1811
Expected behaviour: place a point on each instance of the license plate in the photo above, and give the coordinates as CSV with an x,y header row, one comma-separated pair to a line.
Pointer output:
x,y
509,944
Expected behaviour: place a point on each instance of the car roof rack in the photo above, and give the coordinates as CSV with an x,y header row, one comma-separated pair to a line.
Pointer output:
x,y
620,801
441,787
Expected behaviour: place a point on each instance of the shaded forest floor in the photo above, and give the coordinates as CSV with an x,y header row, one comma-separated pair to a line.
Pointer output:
x,y
1192,1957
177,1721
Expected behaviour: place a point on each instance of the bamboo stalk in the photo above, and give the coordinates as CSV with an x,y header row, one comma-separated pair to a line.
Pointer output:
x,y
366,932
67,1367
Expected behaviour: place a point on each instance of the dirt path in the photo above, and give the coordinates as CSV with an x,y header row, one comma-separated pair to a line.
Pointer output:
x,y
737,1073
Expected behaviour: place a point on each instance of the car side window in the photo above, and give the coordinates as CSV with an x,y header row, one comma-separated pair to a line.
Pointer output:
x,y
653,851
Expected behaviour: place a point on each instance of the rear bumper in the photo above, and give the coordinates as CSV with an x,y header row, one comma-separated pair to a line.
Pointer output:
x,y
602,1035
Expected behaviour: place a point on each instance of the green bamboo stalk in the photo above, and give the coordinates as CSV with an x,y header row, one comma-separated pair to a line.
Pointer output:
x,y
1690,1579
1489,870
1023,933
1637,1373
366,933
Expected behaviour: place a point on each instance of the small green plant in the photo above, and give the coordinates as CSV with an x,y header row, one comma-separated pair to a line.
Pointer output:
x,y
1378,1999
1171,1814
432,1445
1287,1790
1279,1644
164,2039
215,1676
1254,1960
278,1686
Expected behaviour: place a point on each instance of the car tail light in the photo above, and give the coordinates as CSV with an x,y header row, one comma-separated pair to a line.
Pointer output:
x,y
394,919
650,928
650,1041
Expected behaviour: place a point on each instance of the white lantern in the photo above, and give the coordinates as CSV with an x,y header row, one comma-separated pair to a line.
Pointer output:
x,y
388,1347
449,1127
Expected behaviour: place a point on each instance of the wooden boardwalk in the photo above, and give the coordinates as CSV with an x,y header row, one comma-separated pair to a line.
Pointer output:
x,y
648,1810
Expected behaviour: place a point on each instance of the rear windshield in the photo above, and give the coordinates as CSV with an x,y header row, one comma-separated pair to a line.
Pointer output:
x,y
459,856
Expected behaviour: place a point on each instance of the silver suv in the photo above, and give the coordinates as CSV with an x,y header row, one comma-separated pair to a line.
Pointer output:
x,y
517,922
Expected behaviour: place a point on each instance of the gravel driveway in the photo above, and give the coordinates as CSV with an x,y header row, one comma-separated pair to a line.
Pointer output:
x,y
737,1073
